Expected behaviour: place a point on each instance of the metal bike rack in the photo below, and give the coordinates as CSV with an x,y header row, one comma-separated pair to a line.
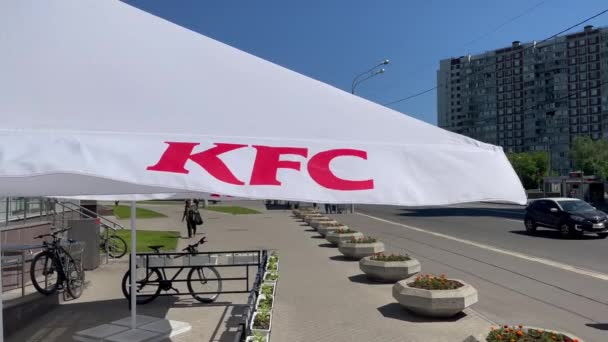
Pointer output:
x,y
216,259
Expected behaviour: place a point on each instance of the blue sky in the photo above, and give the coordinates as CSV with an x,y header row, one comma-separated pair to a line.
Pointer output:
x,y
332,41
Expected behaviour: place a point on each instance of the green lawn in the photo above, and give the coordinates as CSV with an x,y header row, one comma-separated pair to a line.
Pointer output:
x,y
124,212
146,238
163,202
234,210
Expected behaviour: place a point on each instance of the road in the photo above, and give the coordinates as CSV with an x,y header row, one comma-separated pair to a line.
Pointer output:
x,y
500,226
541,281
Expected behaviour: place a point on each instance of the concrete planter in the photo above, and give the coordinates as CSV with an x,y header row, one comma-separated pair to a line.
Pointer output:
x,y
309,217
260,298
360,250
301,212
273,282
336,238
389,271
572,337
324,230
316,223
434,303
252,339
269,270
263,332
274,289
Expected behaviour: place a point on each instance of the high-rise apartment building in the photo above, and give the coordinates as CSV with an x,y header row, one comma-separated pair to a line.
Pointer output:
x,y
530,97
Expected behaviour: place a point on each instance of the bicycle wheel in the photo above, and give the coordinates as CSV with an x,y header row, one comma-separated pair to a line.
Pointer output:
x,y
44,273
74,275
206,280
148,285
117,246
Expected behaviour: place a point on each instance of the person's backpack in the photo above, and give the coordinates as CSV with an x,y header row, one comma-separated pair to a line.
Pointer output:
x,y
198,219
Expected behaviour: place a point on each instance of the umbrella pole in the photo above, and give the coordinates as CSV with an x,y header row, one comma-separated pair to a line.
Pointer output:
x,y
1,299
133,266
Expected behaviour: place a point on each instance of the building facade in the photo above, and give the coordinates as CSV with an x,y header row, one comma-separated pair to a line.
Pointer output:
x,y
530,97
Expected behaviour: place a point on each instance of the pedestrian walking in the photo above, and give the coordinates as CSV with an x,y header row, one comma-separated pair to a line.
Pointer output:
x,y
192,217
327,208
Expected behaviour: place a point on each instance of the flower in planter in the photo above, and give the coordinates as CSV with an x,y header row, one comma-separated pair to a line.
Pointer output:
x,y
257,337
274,257
267,290
519,334
331,224
344,231
365,239
272,266
431,282
271,276
389,258
262,320
266,303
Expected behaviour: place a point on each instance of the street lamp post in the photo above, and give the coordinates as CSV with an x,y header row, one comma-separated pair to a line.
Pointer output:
x,y
372,72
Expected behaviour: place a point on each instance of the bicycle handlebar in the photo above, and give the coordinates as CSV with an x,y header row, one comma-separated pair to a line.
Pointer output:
x,y
200,242
54,234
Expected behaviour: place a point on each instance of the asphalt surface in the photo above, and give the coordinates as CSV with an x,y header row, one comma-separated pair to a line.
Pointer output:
x,y
500,226
512,288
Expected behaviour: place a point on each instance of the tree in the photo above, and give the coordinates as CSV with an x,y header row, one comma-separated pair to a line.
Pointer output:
x,y
531,167
590,156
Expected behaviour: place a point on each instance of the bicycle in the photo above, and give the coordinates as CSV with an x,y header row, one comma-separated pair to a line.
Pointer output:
x,y
115,246
58,268
155,279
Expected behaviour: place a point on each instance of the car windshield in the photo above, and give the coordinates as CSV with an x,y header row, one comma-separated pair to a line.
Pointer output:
x,y
575,205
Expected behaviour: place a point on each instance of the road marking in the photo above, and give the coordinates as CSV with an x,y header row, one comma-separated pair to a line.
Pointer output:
x,y
547,262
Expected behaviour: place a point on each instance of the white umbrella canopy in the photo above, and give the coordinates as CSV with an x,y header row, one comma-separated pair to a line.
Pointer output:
x,y
101,98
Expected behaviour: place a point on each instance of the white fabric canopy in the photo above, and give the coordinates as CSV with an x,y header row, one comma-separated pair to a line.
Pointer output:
x,y
101,98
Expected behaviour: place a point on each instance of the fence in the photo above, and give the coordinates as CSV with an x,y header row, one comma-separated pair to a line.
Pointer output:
x,y
20,210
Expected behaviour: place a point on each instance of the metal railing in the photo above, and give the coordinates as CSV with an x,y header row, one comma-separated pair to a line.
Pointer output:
x,y
76,208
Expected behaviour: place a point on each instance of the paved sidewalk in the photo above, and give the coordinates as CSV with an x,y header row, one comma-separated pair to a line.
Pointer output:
x,y
319,297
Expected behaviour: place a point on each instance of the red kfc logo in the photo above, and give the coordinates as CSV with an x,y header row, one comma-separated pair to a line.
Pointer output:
x,y
267,163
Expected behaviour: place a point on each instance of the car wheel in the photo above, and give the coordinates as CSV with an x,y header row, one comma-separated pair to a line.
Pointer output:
x,y
567,231
602,235
530,225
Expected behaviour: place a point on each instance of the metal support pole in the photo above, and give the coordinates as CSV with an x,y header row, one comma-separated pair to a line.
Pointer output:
x,y
25,209
8,200
1,299
133,266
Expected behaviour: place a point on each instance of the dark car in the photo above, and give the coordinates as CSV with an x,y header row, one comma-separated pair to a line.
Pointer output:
x,y
572,217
